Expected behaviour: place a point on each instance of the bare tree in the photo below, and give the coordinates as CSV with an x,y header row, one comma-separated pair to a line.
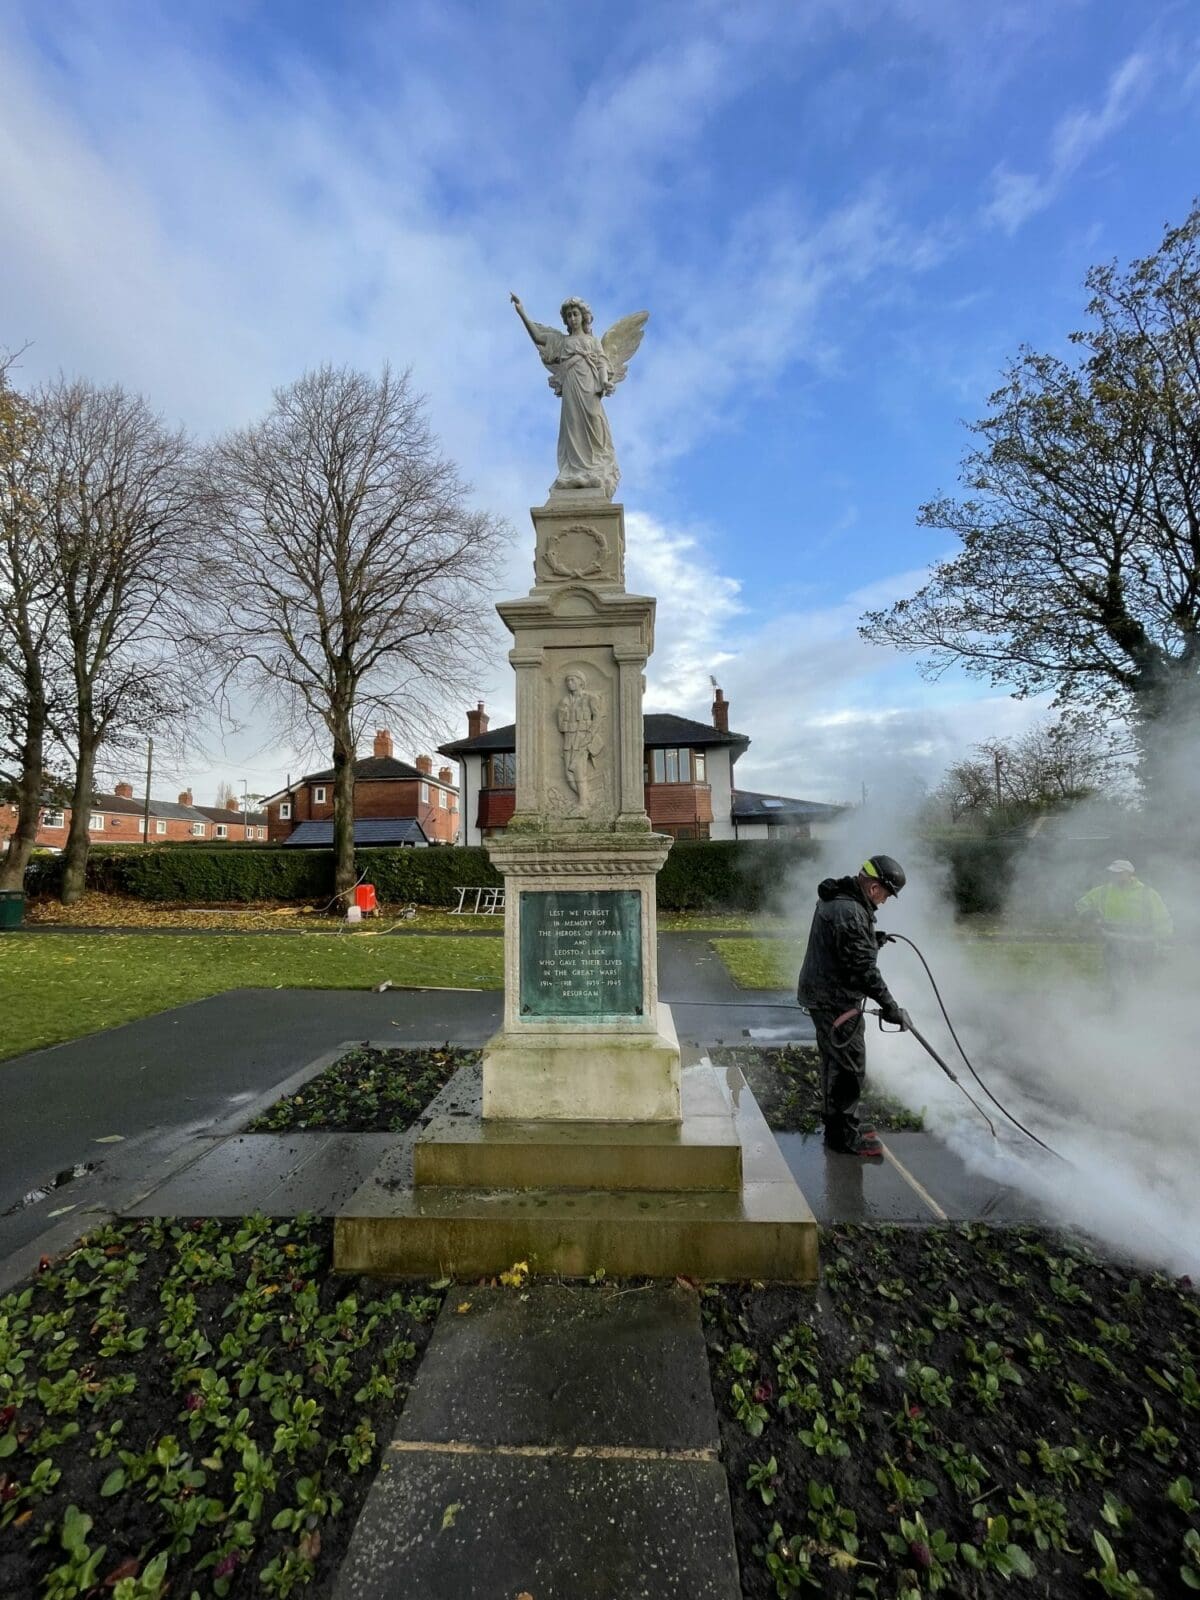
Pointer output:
x,y
1079,567
1053,764
227,796
31,678
350,577
119,521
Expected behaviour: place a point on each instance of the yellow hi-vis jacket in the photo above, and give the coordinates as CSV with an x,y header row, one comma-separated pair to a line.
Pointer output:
x,y
1135,914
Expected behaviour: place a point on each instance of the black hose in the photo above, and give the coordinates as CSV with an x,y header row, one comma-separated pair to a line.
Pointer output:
x,y
899,937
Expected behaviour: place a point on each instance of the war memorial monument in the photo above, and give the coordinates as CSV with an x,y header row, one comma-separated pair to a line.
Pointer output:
x,y
590,1146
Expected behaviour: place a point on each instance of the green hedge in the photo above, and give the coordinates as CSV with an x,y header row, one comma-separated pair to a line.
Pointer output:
x,y
222,874
733,874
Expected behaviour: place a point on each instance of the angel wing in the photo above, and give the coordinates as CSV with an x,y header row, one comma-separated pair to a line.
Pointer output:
x,y
622,340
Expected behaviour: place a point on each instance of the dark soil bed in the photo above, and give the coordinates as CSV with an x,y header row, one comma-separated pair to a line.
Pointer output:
x,y
969,1411
366,1091
786,1083
197,1408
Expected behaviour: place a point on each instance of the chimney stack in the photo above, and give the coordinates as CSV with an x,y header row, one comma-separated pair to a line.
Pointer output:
x,y
185,799
477,722
425,765
445,775
125,790
720,711
234,803
383,744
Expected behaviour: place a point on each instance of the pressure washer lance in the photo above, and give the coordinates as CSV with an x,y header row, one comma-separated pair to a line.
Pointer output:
x,y
907,1026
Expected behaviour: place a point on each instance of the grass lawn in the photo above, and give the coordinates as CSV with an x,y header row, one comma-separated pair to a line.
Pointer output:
x,y
97,910
55,986
1028,963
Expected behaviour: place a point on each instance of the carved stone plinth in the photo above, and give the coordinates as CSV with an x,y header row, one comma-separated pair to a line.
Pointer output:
x,y
584,1037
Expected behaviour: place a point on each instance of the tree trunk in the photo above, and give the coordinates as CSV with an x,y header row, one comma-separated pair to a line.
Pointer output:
x,y
29,800
343,816
74,878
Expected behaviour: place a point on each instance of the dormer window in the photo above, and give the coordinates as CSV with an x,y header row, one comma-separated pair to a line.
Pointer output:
x,y
319,795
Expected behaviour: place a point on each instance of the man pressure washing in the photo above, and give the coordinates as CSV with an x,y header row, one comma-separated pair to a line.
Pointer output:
x,y
840,972
1132,921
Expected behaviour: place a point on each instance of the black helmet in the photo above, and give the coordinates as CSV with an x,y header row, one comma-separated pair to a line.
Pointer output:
x,y
888,870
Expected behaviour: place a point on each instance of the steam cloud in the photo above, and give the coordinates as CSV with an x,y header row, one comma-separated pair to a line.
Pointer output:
x,y
1111,1087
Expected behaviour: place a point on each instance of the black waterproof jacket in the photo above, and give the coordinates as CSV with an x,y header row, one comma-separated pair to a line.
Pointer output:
x,y
840,966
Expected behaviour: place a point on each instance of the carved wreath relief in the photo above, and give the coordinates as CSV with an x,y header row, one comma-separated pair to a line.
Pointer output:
x,y
580,718
579,551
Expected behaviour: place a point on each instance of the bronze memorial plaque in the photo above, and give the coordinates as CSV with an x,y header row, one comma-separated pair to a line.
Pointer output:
x,y
581,953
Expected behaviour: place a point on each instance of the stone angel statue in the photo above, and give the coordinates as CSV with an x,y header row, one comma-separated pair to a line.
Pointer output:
x,y
583,370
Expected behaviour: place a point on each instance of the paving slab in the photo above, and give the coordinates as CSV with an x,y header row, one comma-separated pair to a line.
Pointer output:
x,y
559,1442
488,1526
924,1182
558,1364
278,1174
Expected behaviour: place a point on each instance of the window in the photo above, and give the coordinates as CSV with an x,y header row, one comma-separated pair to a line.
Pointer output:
x,y
319,795
160,826
675,766
52,819
96,820
424,794
500,770
220,831
442,798
199,830
285,810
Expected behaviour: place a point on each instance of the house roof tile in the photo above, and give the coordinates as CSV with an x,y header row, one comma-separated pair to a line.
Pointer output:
x,y
661,729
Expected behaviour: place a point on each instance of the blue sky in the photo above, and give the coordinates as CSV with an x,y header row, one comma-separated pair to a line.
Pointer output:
x,y
842,215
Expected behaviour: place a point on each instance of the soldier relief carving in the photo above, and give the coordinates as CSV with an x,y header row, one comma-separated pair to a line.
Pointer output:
x,y
580,718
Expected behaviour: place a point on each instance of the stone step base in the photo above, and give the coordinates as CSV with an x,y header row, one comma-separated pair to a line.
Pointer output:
x,y
766,1231
701,1152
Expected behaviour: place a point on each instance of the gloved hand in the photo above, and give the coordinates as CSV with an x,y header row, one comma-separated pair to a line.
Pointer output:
x,y
882,938
891,1013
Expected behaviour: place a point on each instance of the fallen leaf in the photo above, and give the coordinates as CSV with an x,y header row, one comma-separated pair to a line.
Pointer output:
x,y
450,1513
110,1138
464,1305
61,1211
22,1519
129,1568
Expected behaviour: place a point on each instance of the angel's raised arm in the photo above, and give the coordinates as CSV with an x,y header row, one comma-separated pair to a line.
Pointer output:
x,y
535,329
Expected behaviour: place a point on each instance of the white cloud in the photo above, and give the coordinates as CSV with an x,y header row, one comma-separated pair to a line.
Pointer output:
x,y
1017,196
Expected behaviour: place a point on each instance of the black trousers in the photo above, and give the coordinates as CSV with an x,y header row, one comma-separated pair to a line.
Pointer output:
x,y
843,1053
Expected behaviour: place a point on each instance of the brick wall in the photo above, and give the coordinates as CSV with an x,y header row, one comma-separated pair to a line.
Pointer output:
x,y
678,803
496,806
375,799
121,828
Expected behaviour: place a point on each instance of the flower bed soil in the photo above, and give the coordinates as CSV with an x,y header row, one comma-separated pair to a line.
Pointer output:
x,y
786,1083
366,1091
969,1411
195,1408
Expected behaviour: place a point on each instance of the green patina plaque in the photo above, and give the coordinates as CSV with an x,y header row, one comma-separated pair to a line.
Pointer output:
x,y
581,953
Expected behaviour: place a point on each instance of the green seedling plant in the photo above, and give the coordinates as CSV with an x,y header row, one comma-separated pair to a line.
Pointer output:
x,y
931,1387
1115,1583
997,1553
763,1480
1189,1568
751,1413
1116,1513
1042,1516
1157,1441
789,1564
1179,1493
823,1440
834,1526
79,1573
901,1489
927,1556
964,1470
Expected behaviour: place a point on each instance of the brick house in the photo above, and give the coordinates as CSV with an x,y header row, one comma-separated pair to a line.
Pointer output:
x,y
687,774
394,803
119,818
